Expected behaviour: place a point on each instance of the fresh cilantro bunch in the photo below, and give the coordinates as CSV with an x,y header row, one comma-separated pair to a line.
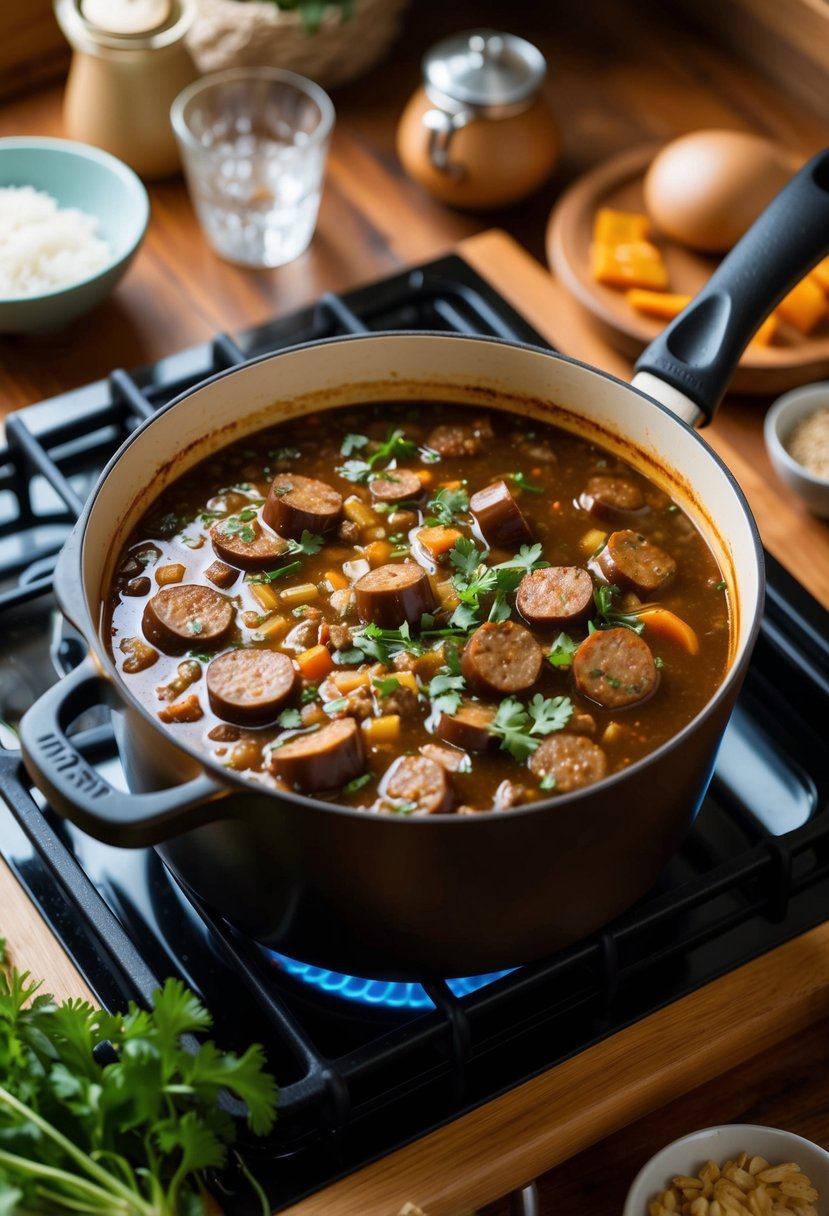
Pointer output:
x,y
132,1135
394,447
518,727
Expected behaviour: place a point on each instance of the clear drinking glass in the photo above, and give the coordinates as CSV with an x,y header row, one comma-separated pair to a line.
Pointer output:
x,y
253,145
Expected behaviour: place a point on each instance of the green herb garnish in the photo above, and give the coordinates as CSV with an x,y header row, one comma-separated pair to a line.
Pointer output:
x,y
445,691
357,783
521,481
446,506
133,1135
270,576
385,685
607,616
352,444
517,726
562,650
289,719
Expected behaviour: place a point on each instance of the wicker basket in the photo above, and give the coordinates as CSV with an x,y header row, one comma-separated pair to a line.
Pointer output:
x,y
255,33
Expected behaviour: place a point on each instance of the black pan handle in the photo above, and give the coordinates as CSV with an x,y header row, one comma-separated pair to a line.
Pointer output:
x,y
697,353
81,794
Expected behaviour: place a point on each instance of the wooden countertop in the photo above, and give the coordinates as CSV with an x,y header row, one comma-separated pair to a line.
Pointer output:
x,y
619,76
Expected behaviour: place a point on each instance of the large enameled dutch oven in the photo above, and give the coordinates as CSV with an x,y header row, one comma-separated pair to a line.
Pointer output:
x,y
394,896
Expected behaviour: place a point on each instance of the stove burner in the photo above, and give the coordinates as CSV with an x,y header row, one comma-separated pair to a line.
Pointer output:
x,y
386,994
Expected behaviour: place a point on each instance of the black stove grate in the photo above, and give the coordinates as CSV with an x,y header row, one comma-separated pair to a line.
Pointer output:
x,y
357,1082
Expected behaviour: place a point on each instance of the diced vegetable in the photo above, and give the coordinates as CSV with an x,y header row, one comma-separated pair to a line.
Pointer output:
x,y
315,663
360,513
302,594
636,264
804,306
346,681
385,729
591,541
439,539
188,710
668,625
266,596
336,580
356,569
620,227
661,304
274,627
378,552
174,573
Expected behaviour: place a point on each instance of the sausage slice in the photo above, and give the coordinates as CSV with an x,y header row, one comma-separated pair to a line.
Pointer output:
x,y
250,547
419,780
634,564
500,658
499,516
608,497
556,596
394,593
396,485
298,504
323,760
185,615
250,687
615,668
458,439
574,761
469,727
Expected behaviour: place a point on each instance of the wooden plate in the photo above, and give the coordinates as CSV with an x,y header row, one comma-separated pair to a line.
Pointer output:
x,y
790,360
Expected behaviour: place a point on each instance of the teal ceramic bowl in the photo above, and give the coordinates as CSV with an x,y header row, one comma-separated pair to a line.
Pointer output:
x,y
94,182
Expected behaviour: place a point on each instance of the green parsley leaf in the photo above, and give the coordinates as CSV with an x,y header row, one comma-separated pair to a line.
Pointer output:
x,y
239,526
608,616
195,626
521,481
447,505
203,656
352,444
510,725
395,447
290,719
548,782
527,559
279,454
336,706
445,692
357,783
309,543
309,694
465,556
500,610
658,662
562,651
357,471
385,685
549,714
270,576
465,617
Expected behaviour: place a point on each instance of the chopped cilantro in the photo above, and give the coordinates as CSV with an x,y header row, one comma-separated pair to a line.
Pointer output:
x,y
309,694
289,719
521,481
562,651
203,656
240,525
445,692
357,471
270,576
447,505
385,685
721,586
404,808
516,725
352,444
336,706
357,783
547,782
607,616
284,454
658,662
195,626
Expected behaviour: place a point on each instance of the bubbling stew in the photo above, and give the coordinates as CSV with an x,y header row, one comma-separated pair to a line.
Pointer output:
x,y
419,608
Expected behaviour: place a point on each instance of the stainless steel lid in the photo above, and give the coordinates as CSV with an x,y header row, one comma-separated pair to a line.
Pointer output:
x,y
485,71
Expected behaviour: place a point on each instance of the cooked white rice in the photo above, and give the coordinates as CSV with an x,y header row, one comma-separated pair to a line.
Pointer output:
x,y
44,247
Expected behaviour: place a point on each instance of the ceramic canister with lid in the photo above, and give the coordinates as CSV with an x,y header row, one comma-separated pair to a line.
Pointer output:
x,y
478,133
129,63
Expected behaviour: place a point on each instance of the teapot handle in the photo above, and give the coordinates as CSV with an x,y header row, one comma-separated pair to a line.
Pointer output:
x,y
441,126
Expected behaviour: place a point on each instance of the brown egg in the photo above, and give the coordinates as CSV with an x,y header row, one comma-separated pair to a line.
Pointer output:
x,y
706,188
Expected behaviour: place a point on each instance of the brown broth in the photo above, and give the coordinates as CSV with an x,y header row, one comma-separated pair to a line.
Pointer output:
x,y
554,464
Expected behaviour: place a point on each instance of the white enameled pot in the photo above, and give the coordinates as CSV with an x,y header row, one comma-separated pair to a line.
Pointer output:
x,y
400,897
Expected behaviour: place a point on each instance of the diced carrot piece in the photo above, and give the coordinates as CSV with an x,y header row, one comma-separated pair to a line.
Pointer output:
x,y
451,485
165,575
664,305
385,729
821,273
188,710
377,553
438,539
425,476
429,664
336,580
766,332
620,227
315,664
346,681
804,306
637,264
668,625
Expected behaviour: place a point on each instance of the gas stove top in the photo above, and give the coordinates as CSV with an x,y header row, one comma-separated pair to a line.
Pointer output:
x,y
365,1066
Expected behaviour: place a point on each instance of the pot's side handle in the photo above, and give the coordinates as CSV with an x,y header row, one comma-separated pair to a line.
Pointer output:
x,y
78,792
697,353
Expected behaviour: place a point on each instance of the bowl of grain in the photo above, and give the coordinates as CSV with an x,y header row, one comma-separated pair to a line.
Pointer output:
x,y
72,218
797,439
734,1169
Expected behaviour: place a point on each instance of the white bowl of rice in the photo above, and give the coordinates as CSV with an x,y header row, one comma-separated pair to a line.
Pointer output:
x,y
71,220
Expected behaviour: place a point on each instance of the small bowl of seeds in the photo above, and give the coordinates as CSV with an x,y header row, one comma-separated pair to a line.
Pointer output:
x,y
735,1169
797,440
